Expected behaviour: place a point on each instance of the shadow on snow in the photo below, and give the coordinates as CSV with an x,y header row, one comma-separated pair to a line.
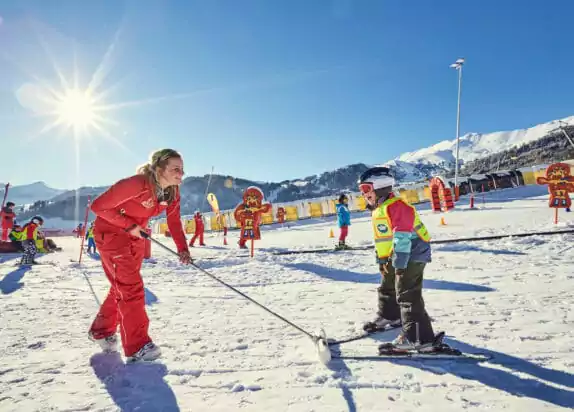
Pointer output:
x,y
504,380
135,387
11,282
150,297
474,248
341,275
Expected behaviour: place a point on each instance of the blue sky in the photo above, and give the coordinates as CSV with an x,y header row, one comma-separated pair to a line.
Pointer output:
x,y
275,89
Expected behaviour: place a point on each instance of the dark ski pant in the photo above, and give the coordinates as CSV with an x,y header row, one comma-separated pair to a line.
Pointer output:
x,y
30,251
401,297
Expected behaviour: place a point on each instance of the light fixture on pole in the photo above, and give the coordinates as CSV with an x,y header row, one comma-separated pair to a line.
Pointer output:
x,y
458,66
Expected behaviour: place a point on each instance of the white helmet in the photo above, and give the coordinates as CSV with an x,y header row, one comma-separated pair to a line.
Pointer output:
x,y
377,177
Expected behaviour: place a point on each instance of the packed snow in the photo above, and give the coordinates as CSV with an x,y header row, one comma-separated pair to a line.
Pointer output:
x,y
509,298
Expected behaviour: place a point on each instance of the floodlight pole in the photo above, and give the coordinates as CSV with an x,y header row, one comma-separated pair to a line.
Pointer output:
x,y
458,66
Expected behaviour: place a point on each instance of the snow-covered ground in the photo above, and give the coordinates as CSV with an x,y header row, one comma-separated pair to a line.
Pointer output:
x,y
510,298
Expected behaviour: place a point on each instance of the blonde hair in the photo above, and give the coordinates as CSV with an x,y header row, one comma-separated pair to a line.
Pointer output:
x,y
158,160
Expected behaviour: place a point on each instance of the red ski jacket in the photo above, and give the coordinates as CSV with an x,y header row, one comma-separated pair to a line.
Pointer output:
x,y
7,217
199,225
133,201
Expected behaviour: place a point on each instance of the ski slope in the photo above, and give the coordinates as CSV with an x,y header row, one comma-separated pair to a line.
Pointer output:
x,y
510,298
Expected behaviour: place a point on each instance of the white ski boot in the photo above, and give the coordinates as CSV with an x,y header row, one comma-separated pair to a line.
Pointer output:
x,y
149,352
109,344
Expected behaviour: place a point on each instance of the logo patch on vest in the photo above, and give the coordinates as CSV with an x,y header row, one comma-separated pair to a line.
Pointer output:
x,y
148,204
382,228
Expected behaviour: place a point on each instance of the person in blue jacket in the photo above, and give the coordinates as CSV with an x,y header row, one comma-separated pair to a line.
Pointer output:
x,y
343,220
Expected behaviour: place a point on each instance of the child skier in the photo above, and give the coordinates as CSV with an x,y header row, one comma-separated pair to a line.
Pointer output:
x,y
343,220
17,236
90,239
30,231
403,250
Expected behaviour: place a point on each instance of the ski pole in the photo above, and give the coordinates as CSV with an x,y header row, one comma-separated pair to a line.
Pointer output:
x,y
157,242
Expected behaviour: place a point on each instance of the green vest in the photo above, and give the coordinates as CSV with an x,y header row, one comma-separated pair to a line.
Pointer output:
x,y
382,228
17,236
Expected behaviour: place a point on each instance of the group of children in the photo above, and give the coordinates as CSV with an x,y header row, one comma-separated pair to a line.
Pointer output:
x,y
31,241
25,238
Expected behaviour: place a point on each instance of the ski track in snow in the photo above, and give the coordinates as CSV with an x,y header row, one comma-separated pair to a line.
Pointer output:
x,y
511,298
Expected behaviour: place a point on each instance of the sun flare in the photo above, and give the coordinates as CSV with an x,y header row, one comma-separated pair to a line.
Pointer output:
x,y
76,109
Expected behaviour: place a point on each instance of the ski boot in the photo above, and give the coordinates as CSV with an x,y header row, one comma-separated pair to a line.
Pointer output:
x,y
342,246
381,324
149,352
401,345
108,344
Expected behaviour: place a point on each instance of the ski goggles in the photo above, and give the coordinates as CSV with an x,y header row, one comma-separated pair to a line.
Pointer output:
x,y
366,188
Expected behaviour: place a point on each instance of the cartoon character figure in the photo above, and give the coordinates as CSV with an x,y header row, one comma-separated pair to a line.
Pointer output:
x,y
560,182
248,214
281,214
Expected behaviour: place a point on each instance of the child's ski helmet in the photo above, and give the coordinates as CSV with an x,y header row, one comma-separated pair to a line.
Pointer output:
x,y
378,180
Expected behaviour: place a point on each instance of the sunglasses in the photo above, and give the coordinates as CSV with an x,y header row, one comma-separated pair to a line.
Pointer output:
x,y
366,188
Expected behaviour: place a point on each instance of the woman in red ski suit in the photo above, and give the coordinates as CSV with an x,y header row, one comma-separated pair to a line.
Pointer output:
x,y
122,213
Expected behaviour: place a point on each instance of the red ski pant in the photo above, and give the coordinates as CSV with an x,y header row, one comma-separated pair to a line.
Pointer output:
x,y
6,228
198,233
344,233
122,257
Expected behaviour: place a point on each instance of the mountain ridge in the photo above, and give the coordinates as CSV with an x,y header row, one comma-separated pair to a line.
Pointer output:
x,y
412,166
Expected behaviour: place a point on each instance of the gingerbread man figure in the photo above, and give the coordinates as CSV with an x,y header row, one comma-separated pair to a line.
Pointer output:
x,y
281,215
560,182
248,214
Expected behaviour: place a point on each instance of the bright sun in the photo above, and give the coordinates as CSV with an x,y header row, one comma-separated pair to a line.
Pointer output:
x,y
76,109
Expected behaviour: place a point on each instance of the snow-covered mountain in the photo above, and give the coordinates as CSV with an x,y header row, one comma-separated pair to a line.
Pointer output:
x,y
473,146
25,194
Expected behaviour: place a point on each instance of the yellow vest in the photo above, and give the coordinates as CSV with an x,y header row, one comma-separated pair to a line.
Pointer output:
x,y
40,245
90,232
383,230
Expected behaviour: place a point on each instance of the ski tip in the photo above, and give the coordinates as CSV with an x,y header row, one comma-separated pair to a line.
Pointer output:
x,y
321,345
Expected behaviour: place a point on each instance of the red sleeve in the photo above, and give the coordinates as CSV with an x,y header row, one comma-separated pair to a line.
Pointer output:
x,y
107,205
402,217
174,224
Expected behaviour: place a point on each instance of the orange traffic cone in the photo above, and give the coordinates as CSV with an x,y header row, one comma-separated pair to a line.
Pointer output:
x,y
331,233
442,222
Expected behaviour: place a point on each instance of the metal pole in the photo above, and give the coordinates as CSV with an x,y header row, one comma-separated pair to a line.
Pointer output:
x,y
207,188
457,126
